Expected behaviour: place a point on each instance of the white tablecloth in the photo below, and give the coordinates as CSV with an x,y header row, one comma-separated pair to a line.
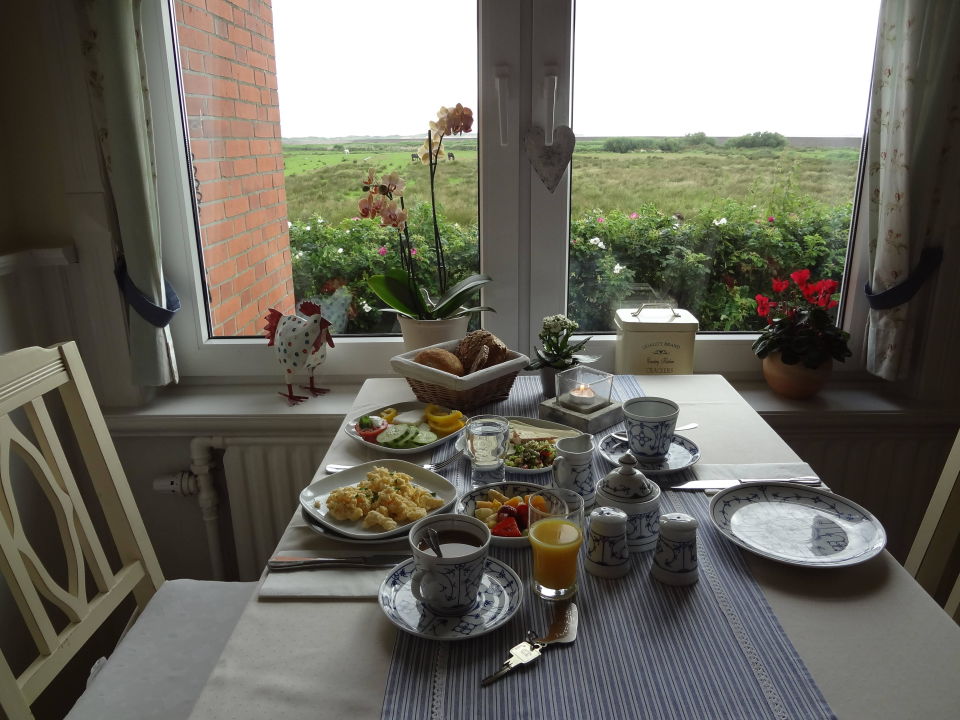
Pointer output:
x,y
875,642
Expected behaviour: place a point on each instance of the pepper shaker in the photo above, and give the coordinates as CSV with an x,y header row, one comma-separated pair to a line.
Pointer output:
x,y
607,552
675,559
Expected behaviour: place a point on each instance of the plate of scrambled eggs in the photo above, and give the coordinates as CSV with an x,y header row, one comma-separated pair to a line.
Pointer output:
x,y
378,499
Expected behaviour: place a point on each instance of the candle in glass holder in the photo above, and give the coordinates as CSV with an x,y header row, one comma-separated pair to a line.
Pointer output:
x,y
582,398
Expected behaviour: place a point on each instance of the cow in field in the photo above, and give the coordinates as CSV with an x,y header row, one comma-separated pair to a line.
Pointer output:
x,y
450,156
414,156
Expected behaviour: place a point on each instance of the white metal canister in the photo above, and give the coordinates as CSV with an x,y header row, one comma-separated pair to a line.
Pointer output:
x,y
655,340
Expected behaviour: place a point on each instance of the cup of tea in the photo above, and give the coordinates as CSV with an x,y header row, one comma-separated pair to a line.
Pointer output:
x,y
573,467
650,422
449,584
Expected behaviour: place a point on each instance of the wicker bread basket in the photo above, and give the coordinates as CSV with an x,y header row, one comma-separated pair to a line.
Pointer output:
x,y
461,393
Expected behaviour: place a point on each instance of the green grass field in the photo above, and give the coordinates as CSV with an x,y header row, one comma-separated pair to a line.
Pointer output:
x,y
326,182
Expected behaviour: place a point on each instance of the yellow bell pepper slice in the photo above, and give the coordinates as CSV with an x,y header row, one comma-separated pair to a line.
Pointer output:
x,y
388,414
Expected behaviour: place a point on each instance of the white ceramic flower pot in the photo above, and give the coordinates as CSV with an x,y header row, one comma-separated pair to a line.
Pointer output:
x,y
422,333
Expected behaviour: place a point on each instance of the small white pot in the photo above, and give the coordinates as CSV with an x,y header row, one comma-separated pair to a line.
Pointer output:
x,y
423,333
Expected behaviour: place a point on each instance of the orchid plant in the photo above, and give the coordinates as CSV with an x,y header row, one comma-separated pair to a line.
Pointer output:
x,y
799,326
401,288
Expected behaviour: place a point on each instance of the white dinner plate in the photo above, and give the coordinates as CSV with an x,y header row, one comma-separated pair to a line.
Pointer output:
x,y
797,525
467,505
351,430
501,595
313,498
535,422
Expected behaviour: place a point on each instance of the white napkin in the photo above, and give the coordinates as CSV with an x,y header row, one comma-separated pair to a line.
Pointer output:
x,y
752,471
300,541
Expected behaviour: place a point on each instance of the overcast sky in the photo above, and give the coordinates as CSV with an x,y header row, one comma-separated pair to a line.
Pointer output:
x,y
642,67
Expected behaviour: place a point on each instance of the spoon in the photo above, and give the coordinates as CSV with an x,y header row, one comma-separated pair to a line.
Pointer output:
x,y
433,540
623,438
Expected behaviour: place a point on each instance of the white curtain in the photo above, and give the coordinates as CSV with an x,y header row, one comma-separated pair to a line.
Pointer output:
x,y
113,47
913,160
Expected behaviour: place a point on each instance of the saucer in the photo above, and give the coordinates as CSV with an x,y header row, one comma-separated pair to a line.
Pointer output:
x,y
501,595
682,454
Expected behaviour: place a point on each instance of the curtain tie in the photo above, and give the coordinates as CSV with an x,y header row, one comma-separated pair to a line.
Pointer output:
x,y
147,309
930,259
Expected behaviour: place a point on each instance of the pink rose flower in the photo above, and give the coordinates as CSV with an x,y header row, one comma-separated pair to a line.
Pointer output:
x,y
382,251
634,216
601,220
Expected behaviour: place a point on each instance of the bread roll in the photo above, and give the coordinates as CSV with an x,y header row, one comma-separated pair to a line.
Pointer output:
x,y
481,349
440,359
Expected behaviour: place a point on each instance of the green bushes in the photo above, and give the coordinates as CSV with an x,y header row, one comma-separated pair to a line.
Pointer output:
x,y
757,140
621,144
712,264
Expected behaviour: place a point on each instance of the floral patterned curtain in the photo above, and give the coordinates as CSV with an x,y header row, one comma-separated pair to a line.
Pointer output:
x,y
913,156
120,104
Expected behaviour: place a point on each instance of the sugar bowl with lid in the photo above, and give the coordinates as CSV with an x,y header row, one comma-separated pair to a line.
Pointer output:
x,y
628,489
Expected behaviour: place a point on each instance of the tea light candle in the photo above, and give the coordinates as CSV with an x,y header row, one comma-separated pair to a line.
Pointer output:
x,y
582,398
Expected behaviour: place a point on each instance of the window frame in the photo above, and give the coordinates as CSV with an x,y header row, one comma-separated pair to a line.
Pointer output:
x,y
523,228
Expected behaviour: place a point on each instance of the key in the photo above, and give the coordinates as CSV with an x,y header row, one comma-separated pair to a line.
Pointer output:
x,y
521,654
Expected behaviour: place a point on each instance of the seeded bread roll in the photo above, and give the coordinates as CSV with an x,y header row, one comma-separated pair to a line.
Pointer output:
x,y
481,349
440,359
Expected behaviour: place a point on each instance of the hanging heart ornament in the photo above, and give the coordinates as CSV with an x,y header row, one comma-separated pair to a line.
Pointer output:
x,y
550,161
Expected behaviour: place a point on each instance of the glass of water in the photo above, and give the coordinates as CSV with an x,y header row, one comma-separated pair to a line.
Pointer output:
x,y
485,441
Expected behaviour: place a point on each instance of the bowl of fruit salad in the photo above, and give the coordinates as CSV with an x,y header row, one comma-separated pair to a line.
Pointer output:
x,y
407,427
503,507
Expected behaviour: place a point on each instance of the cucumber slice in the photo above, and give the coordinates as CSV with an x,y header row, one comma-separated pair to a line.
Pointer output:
x,y
392,434
425,437
405,439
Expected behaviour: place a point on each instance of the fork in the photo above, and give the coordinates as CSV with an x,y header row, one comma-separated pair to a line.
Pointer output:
x,y
431,467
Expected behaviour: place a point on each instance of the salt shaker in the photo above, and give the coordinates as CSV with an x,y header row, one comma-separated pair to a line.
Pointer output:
x,y
675,559
629,490
607,551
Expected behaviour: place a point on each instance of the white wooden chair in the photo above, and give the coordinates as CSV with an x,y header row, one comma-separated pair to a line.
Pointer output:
x,y
934,558
163,661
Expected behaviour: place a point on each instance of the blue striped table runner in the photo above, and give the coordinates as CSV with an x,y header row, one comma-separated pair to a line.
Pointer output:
x,y
713,651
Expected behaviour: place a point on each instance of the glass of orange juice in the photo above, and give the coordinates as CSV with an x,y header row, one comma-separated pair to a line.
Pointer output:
x,y
555,533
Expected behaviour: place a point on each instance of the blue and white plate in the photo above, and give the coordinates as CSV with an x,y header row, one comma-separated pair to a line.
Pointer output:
x,y
501,595
467,505
797,525
682,454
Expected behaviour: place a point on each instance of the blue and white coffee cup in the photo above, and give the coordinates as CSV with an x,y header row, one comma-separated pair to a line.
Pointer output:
x,y
650,423
573,467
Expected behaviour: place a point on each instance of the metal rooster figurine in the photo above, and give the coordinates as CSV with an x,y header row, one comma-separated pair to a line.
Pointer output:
x,y
300,343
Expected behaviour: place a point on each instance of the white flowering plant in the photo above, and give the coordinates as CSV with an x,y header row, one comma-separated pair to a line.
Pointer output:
x,y
558,351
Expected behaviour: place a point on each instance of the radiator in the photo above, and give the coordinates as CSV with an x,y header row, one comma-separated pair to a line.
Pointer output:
x,y
263,483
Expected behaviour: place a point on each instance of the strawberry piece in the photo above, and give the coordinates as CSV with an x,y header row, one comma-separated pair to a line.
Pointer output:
x,y
523,515
506,528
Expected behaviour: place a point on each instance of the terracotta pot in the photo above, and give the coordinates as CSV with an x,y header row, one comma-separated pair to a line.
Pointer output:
x,y
794,381
421,333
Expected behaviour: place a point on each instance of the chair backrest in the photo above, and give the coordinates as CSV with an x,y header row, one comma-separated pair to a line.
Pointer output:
x,y
25,376
934,558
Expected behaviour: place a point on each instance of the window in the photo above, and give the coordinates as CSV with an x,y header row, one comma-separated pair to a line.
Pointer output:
x,y
522,50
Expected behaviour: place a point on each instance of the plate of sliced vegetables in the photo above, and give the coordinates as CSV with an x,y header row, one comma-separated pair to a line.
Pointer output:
x,y
406,428
503,507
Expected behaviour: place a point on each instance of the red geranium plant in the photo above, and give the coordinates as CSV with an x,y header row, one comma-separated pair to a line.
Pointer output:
x,y
799,325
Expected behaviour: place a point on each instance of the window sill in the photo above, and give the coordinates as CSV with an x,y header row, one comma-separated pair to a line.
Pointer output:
x,y
231,409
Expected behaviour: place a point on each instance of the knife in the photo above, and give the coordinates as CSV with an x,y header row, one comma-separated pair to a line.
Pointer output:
x,y
285,562
722,484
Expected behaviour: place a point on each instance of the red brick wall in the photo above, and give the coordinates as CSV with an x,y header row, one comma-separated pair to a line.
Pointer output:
x,y
230,83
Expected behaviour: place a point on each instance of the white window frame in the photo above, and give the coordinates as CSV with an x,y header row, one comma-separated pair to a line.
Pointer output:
x,y
524,228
